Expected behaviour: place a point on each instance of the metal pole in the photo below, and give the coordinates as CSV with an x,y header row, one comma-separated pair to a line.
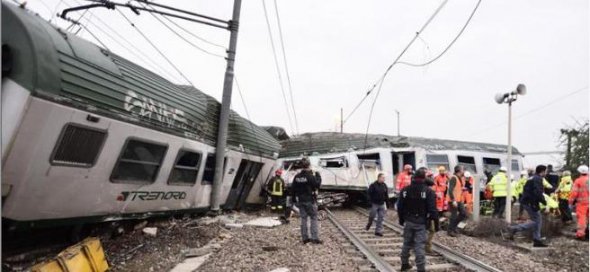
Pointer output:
x,y
225,109
509,158
341,120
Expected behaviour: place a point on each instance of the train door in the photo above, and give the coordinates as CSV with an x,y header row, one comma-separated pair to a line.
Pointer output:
x,y
243,182
399,159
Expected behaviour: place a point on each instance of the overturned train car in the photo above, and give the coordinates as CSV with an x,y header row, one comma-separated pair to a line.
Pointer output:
x,y
90,136
349,162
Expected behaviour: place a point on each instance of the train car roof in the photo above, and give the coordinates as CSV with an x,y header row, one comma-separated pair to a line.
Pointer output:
x,y
333,142
57,65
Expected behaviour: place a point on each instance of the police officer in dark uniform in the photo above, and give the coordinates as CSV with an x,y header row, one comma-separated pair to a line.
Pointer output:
x,y
416,210
303,190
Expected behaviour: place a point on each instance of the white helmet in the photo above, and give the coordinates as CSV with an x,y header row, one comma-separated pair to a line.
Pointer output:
x,y
503,169
511,176
583,169
467,174
524,173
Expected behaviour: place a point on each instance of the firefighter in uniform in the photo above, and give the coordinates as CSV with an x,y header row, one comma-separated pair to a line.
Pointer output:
x,y
416,209
276,188
579,197
440,189
563,194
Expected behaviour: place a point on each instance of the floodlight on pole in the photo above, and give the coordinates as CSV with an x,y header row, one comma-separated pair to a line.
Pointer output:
x,y
509,98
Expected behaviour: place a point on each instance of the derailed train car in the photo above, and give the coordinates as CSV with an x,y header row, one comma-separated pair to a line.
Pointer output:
x,y
349,162
88,135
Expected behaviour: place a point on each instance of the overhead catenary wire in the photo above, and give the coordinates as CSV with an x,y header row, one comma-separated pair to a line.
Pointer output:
x,y
183,38
155,47
286,67
449,45
382,79
194,35
145,58
553,101
274,51
425,63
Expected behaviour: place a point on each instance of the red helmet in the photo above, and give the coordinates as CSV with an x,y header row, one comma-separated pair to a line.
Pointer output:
x,y
279,172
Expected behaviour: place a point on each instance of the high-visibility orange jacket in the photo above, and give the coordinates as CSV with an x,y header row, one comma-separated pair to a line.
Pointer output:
x,y
579,192
440,190
403,179
457,190
468,196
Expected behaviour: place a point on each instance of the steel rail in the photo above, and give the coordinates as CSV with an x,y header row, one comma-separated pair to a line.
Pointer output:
x,y
450,254
379,263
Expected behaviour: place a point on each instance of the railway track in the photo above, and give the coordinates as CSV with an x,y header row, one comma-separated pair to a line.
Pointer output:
x,y
375,253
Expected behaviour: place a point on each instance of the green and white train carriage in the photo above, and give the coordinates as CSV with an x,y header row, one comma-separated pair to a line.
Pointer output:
x,y
87,134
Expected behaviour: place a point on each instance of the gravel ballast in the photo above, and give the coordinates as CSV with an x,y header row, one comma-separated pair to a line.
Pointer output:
x,y
259,249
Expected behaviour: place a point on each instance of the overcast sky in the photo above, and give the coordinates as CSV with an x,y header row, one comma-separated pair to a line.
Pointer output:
x,y
337,49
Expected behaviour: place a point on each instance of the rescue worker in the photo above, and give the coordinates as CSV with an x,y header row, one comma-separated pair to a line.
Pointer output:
x,y
455,199
431,227
377,196
553,179
524,176
579,197
499,185
532,197
276,187
563,195
440,188
404,178
416,209
468,192
304,187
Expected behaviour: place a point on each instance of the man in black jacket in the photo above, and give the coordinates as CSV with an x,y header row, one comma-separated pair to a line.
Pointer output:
x,y
303,190
377,196
532,196
416,207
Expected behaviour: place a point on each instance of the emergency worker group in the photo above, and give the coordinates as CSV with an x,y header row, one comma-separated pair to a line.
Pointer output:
x,y
424,199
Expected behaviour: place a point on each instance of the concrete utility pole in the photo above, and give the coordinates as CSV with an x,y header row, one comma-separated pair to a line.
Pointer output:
x,y
225,108
509,98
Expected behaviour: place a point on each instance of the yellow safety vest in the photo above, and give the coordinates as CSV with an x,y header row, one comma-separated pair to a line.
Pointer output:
x,y
546,184
551,202
277,187
565,187
499,183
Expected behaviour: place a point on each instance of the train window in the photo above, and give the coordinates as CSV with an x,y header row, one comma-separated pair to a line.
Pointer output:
x,y
371,161
468,163
78,146
491,164
186,168
339,162
515,166
209,172
433,161
139,162
292,165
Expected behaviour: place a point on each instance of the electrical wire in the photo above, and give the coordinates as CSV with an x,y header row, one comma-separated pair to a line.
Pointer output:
x,y
425,63
194,35
94,36
182,37
382,79
277,66
553,101
155,66
155,47
286,66
450,44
